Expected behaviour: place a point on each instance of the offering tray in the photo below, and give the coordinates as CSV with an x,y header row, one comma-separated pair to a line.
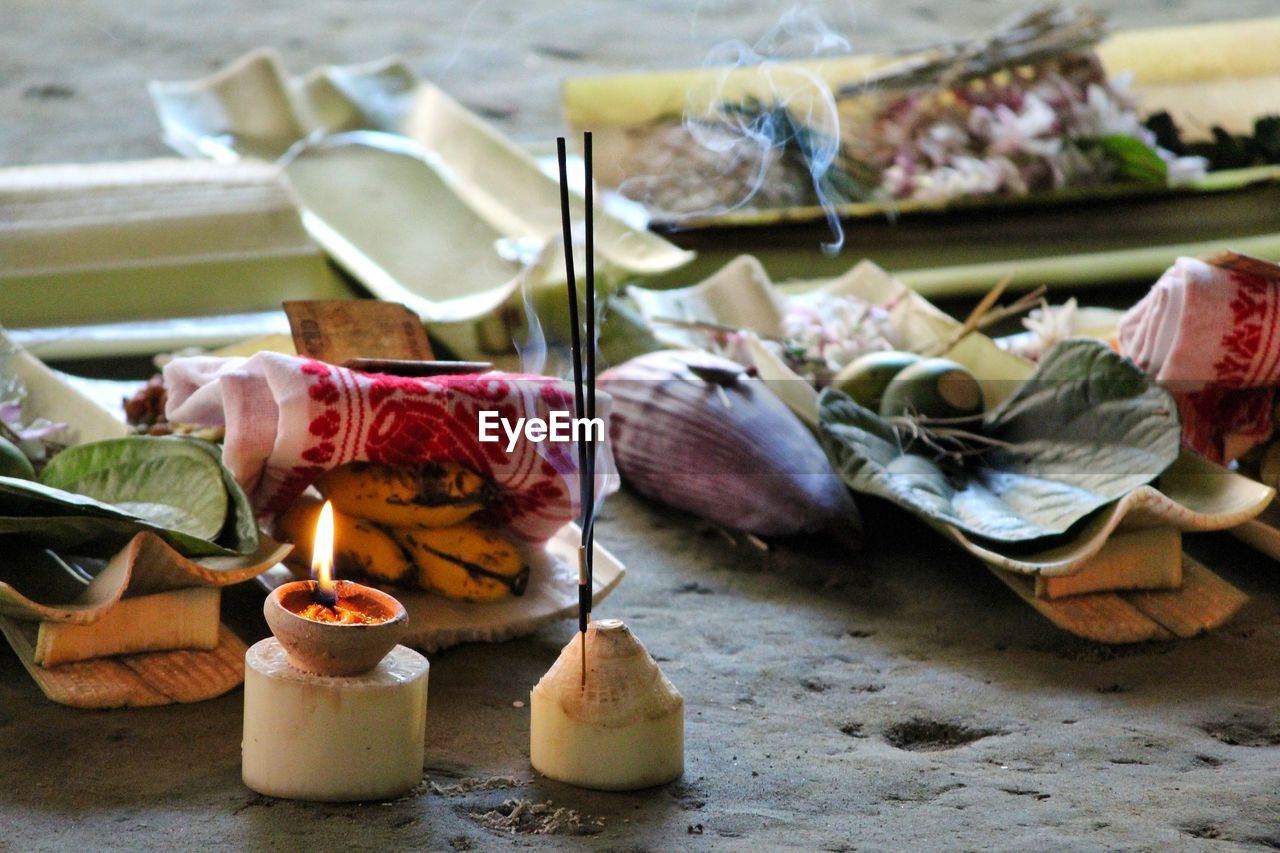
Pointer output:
x,y
1193,494
1204,74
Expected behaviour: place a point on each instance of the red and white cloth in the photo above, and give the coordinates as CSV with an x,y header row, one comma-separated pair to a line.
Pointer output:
x,y
1211,335
290,419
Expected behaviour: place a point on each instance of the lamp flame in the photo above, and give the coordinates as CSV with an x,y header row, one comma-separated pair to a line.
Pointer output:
x,y
322,558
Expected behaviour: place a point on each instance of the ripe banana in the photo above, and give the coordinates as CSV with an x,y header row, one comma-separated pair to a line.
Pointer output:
x,y
412,496
465,562
360,547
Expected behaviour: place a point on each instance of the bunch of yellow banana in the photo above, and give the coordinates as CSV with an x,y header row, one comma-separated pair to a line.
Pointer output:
x,y
465,562
409,526
411,496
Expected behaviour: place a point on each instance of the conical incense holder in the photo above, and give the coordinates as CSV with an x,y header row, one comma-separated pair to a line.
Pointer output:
x,y
621,730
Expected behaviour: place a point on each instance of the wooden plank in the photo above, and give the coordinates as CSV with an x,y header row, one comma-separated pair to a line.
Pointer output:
x,y
1204,602
151,678
1101,617
1149,559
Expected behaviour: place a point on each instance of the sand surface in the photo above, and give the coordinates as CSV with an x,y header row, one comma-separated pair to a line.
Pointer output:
x,y
900,698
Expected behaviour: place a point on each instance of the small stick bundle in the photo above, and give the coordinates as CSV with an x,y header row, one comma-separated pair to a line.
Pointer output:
x,y
584,387
985,314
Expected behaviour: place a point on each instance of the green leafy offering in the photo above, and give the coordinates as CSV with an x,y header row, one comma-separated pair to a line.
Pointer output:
x,y
1135,161
93,498
170,483
1086,429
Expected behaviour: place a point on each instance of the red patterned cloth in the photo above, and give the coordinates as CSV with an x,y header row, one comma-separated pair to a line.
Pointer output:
x,y
290,419
1211,335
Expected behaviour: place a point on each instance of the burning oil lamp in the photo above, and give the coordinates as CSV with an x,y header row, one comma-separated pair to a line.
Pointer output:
x,y
334,709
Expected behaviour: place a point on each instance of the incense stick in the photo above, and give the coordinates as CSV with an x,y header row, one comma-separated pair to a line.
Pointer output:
x,y
575,336
590,504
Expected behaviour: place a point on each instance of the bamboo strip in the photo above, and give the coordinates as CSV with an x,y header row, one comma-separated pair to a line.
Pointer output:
x,y
1204,602
133,681
1101,617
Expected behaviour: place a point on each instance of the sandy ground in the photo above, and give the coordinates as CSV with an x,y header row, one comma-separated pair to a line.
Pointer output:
x,y
899,698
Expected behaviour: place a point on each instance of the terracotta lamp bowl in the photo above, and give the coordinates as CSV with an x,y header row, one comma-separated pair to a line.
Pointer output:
x,y
335,648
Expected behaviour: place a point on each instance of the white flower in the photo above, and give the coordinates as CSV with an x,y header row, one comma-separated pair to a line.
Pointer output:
x,y
1010,131
1103,115
1045,326
942,141
834,330
896,182
964,176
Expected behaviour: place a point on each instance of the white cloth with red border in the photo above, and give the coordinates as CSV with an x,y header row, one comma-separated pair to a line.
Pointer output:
x,y
1210,333
289,419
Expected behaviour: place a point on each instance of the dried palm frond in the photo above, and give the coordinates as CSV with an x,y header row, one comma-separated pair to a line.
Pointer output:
x,y
1030,38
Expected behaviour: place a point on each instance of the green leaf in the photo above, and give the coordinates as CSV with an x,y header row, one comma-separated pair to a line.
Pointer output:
x,y
1082,432
74,534
76,524
1135,160
169,482
241,533
79,523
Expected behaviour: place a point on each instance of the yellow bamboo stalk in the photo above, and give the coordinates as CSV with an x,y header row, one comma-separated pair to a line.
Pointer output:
x,y
1241,55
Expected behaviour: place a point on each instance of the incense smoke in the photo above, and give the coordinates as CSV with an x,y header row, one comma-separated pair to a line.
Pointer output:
x,y
789,106
544,350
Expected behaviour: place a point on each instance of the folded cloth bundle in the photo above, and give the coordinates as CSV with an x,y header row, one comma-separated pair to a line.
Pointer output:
x,y
290,419
1210,333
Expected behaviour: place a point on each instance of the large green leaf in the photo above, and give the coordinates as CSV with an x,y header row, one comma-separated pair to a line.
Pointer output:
x,y
99,536
79,523
1083,431
170,482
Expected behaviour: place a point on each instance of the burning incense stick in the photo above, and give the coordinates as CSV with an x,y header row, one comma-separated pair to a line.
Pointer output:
x,y
589,504
575,333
